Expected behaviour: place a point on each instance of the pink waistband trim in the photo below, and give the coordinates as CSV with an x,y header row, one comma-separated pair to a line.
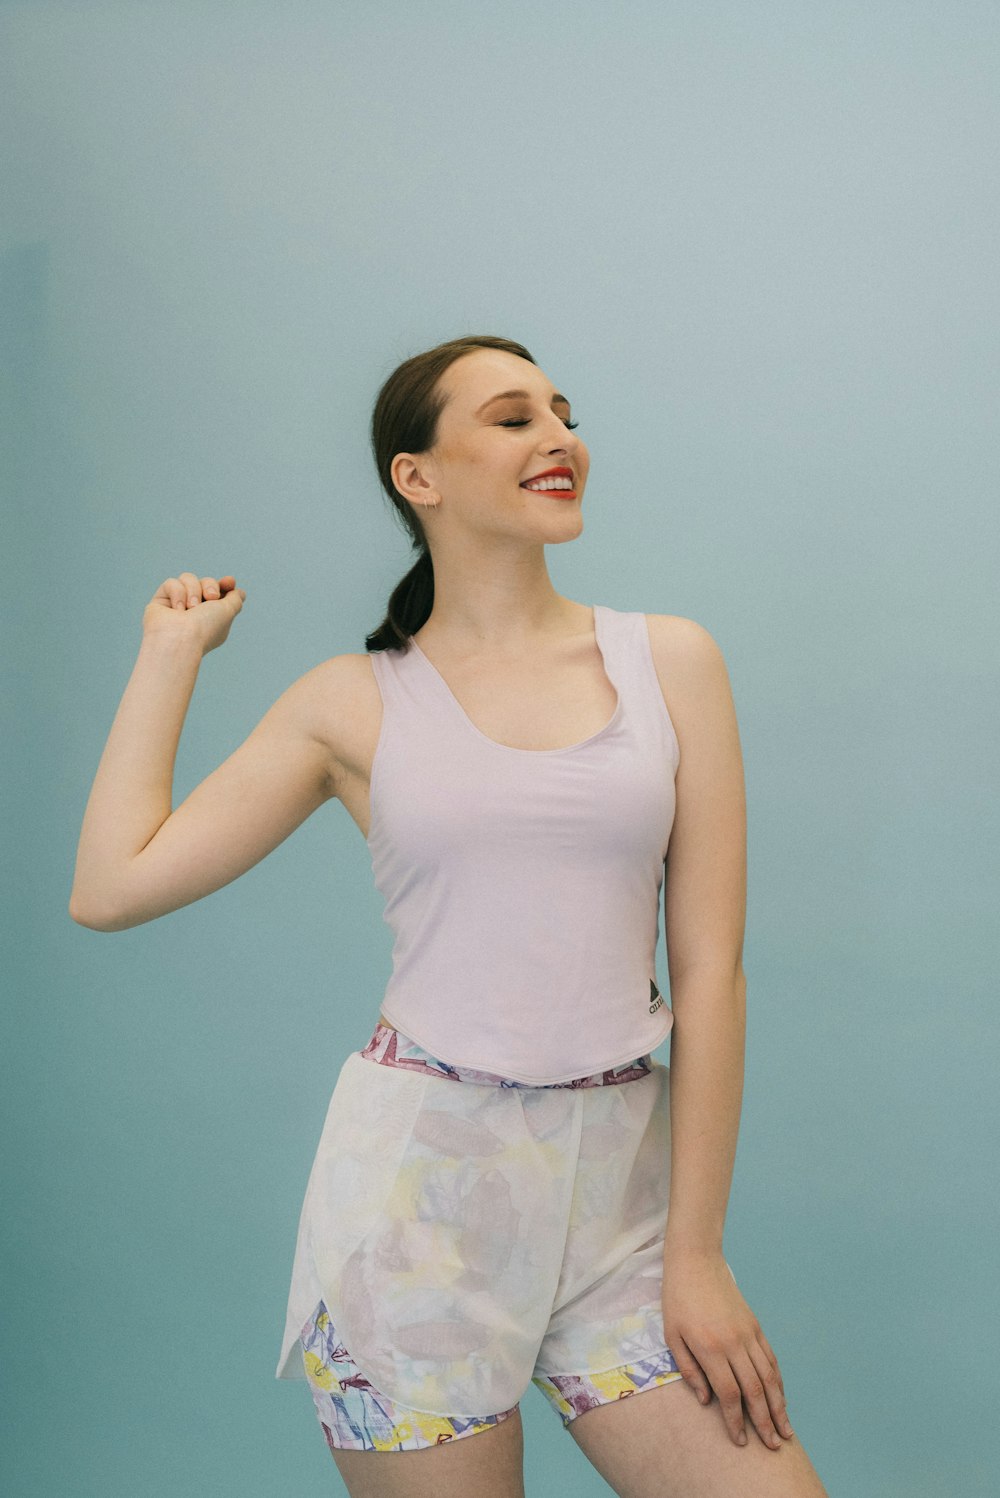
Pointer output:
x,y
390,1047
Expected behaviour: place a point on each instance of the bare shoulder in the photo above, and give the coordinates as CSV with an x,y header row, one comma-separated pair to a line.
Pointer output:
x,y
691,669
340,674
682,642
341,707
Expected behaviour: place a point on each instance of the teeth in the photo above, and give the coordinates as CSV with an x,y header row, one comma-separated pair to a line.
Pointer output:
x,y
555,483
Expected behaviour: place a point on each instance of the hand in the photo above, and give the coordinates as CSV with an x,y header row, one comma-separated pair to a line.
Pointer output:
x,y
175,608
718,1344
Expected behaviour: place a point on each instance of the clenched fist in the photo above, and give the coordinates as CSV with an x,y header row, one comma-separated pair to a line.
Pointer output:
x,y
203,608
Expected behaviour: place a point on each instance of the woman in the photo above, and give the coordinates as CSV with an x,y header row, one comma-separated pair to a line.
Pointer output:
x,y
507,1188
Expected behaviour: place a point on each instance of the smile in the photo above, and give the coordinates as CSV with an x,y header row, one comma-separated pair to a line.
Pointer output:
x,y
562,488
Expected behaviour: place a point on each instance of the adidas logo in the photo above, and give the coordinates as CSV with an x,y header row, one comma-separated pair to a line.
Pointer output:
x,y
655,997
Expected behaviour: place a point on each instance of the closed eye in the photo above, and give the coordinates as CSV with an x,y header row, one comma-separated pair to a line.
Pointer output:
x,y
572,425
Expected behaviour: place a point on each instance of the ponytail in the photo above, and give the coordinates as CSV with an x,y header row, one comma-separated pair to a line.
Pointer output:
x,y
404,420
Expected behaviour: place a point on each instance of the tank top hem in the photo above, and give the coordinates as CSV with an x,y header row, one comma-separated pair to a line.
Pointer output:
x,y
536,1081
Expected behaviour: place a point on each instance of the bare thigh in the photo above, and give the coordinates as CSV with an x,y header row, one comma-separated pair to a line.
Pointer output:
x,y
489,1462
664,1443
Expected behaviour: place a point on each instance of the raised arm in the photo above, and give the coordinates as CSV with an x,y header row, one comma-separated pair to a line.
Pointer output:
x,y
137,858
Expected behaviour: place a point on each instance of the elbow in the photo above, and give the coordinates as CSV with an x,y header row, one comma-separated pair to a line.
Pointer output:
x,y
694,988
95,920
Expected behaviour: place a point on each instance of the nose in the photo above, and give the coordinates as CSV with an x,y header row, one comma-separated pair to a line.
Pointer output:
x,y
567,441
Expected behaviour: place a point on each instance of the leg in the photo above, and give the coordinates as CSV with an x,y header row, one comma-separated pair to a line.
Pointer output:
x,y
663,1443
491,1461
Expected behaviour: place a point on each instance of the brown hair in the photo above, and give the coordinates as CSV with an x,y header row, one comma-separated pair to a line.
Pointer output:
x,y
405,420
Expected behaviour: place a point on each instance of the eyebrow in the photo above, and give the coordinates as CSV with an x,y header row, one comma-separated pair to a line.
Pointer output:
x,y
557,399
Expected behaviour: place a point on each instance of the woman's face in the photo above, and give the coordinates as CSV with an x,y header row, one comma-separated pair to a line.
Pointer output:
x,y
489,443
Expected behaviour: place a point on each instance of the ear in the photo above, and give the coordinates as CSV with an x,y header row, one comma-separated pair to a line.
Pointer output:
x,y
413,480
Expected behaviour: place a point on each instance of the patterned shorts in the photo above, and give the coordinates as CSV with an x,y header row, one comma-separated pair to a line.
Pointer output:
x,y
499,1255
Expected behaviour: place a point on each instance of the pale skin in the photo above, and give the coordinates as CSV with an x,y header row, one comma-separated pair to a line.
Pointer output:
x,y
523,663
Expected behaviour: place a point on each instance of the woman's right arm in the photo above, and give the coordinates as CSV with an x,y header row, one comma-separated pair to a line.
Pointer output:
x,y
138,859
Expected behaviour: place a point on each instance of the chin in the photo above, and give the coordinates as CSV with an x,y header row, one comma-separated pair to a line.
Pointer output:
x,y
565,534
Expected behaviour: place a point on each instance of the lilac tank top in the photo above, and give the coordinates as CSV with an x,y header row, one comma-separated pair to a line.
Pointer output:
x,y
522,886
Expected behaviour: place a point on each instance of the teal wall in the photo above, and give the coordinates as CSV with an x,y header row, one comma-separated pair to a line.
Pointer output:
x,y
757,243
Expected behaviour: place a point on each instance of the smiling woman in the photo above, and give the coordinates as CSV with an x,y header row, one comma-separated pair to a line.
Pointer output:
x,y
508,1188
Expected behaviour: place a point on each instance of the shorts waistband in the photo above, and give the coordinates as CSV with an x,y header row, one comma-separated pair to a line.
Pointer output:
x,y
390,1047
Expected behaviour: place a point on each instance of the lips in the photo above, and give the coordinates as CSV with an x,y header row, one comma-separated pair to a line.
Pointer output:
x,y
549,473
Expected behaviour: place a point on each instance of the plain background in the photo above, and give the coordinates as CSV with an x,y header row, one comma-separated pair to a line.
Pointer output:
x,y
757,245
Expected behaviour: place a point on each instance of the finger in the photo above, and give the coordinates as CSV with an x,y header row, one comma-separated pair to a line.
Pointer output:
x,y
691,1369
770,1376
209,587
164,593
175,592
192,585
755,1395
769,1351
726,1385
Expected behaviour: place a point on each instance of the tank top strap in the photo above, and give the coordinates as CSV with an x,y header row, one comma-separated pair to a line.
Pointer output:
x,y
397,680
628,660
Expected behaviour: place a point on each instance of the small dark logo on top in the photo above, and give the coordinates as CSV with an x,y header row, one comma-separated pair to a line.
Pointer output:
x,y
655,997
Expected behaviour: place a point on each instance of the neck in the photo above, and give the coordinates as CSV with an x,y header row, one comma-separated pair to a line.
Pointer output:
x,y
503,608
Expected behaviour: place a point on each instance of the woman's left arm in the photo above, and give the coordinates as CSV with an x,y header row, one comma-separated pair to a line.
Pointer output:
x,y
712,1332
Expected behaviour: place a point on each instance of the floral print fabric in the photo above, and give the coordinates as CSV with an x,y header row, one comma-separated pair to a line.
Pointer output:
x,y
392,1048
465,1241
355,1416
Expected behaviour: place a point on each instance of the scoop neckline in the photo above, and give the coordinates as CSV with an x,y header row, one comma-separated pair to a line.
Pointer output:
x,y
599,639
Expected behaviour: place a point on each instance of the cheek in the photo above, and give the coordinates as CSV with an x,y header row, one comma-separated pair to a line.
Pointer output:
x,y
503,464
